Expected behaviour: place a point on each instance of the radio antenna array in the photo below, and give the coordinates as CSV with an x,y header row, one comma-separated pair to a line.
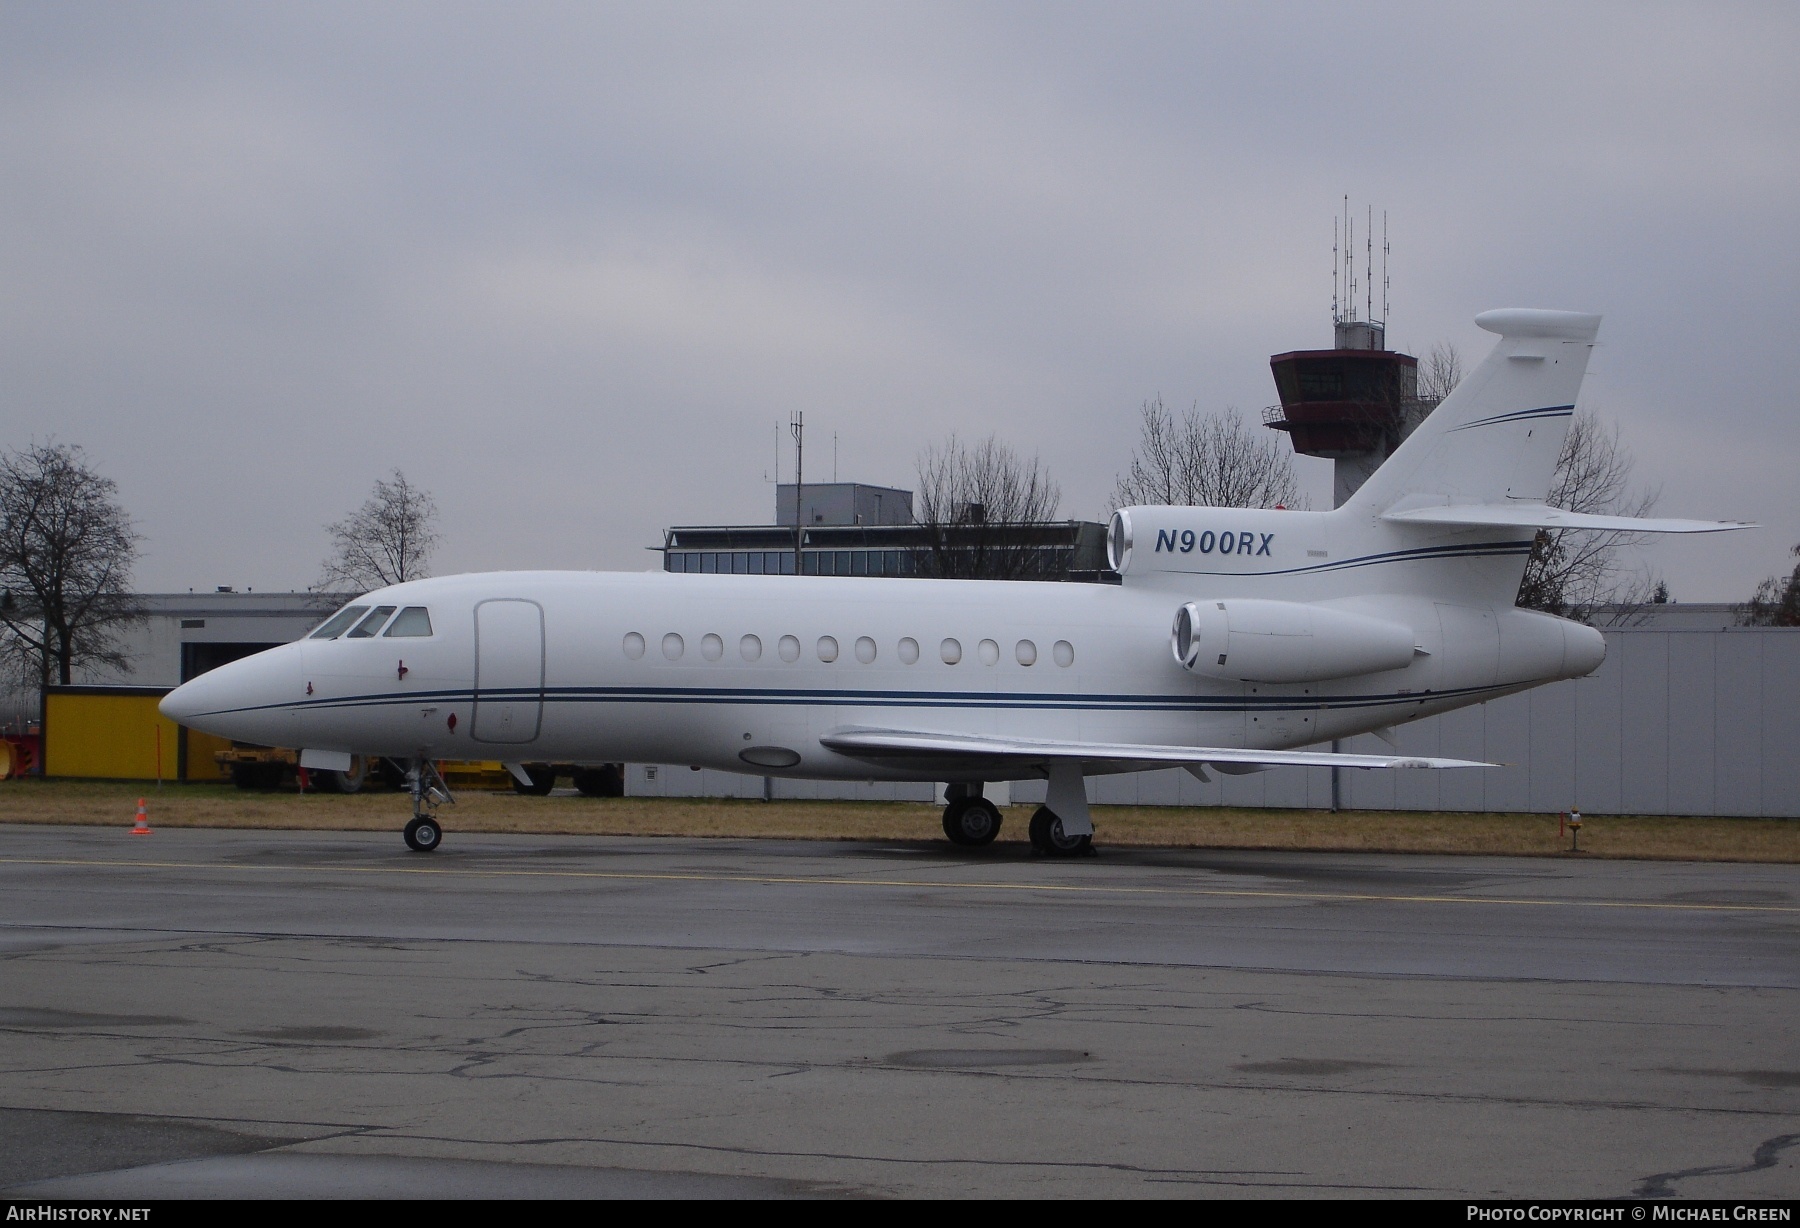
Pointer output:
x,y
1345,281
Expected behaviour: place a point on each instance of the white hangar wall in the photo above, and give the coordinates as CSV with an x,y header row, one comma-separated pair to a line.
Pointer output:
x,y
1694,722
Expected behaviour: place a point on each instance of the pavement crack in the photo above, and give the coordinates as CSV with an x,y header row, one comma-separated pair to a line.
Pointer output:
x,y
1768,1152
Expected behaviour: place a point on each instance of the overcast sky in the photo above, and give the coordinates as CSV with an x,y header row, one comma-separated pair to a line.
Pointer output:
x,y
571,266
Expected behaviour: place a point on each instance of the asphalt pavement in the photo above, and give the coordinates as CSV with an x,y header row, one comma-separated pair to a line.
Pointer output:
x,y
256,1013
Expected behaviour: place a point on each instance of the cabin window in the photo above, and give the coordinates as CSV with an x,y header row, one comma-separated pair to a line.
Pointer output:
x,y
1025,652
865,649
828,648
789,648
335,625
413,621
367,628
950,651
634,646
711,646
1064,652
673,646
909,651
990,652
750,648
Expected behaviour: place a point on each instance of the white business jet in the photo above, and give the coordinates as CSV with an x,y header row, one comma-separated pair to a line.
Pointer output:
x,y
1289,629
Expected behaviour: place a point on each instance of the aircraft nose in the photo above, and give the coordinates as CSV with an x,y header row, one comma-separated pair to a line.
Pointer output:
x,y
248,700
183,702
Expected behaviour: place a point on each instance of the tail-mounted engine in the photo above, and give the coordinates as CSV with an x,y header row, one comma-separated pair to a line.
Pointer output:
x,y
1249,640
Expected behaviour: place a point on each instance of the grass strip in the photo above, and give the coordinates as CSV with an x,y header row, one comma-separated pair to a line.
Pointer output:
x,y
1665,837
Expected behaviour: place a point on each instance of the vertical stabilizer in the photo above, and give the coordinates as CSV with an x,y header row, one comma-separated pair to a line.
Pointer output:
x,y
1495,438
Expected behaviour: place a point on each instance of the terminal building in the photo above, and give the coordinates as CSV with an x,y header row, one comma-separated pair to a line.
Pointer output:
x,y
851,529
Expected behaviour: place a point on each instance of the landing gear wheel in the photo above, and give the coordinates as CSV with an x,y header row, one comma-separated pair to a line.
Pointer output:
x,y
1047,836
423,835
971,821
543,779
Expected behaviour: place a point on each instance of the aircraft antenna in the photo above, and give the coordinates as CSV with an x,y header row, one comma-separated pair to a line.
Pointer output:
x,y
797,424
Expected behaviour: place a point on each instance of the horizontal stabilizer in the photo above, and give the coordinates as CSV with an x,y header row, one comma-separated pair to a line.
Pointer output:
x,y
1543,516
973,750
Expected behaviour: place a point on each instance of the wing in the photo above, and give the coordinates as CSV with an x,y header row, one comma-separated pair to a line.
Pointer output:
x,y
1543,516
963,752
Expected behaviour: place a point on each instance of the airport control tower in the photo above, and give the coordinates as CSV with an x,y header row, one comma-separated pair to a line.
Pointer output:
x,y
1355,402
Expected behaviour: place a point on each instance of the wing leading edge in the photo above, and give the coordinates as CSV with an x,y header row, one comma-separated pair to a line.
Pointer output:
x,y
979,750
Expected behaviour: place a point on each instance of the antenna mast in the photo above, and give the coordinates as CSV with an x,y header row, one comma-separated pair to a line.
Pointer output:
x,y
797,424
1369,267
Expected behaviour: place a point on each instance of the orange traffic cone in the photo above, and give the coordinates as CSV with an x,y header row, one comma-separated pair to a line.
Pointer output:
x,y
143,821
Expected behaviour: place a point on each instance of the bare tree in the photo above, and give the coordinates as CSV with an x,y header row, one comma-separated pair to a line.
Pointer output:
x,y
1440,372
66,551
388,541
1776,602
978,504
1571,572
1215,460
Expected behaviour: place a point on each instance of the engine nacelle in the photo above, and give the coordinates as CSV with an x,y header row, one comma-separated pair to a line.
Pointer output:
x,y
1250,640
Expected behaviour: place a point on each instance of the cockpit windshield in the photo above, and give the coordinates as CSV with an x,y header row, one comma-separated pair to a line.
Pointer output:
x,y
334,626
414,620
370,626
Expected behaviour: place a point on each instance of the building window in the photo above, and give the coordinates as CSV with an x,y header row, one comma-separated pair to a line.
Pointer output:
x,y
950,651
192,624
909,651
740,562
756,562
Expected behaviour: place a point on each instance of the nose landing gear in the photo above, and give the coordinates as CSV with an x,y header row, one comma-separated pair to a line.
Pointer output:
x,y
428,791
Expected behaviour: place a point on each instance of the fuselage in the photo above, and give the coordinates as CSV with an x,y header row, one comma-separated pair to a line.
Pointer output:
x,y
746,673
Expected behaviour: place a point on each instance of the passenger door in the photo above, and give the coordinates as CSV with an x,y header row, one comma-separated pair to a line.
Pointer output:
x,y
509,671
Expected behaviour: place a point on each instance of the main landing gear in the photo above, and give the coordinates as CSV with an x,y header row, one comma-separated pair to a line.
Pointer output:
x,y
1048,837
971,821
428,791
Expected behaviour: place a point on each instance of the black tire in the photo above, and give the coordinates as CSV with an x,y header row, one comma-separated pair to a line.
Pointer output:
x,y
543,779
423,835
351,781
604,781
1047,836
971,822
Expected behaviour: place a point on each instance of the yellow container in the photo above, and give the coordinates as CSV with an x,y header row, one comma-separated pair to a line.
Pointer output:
x,y
109,733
